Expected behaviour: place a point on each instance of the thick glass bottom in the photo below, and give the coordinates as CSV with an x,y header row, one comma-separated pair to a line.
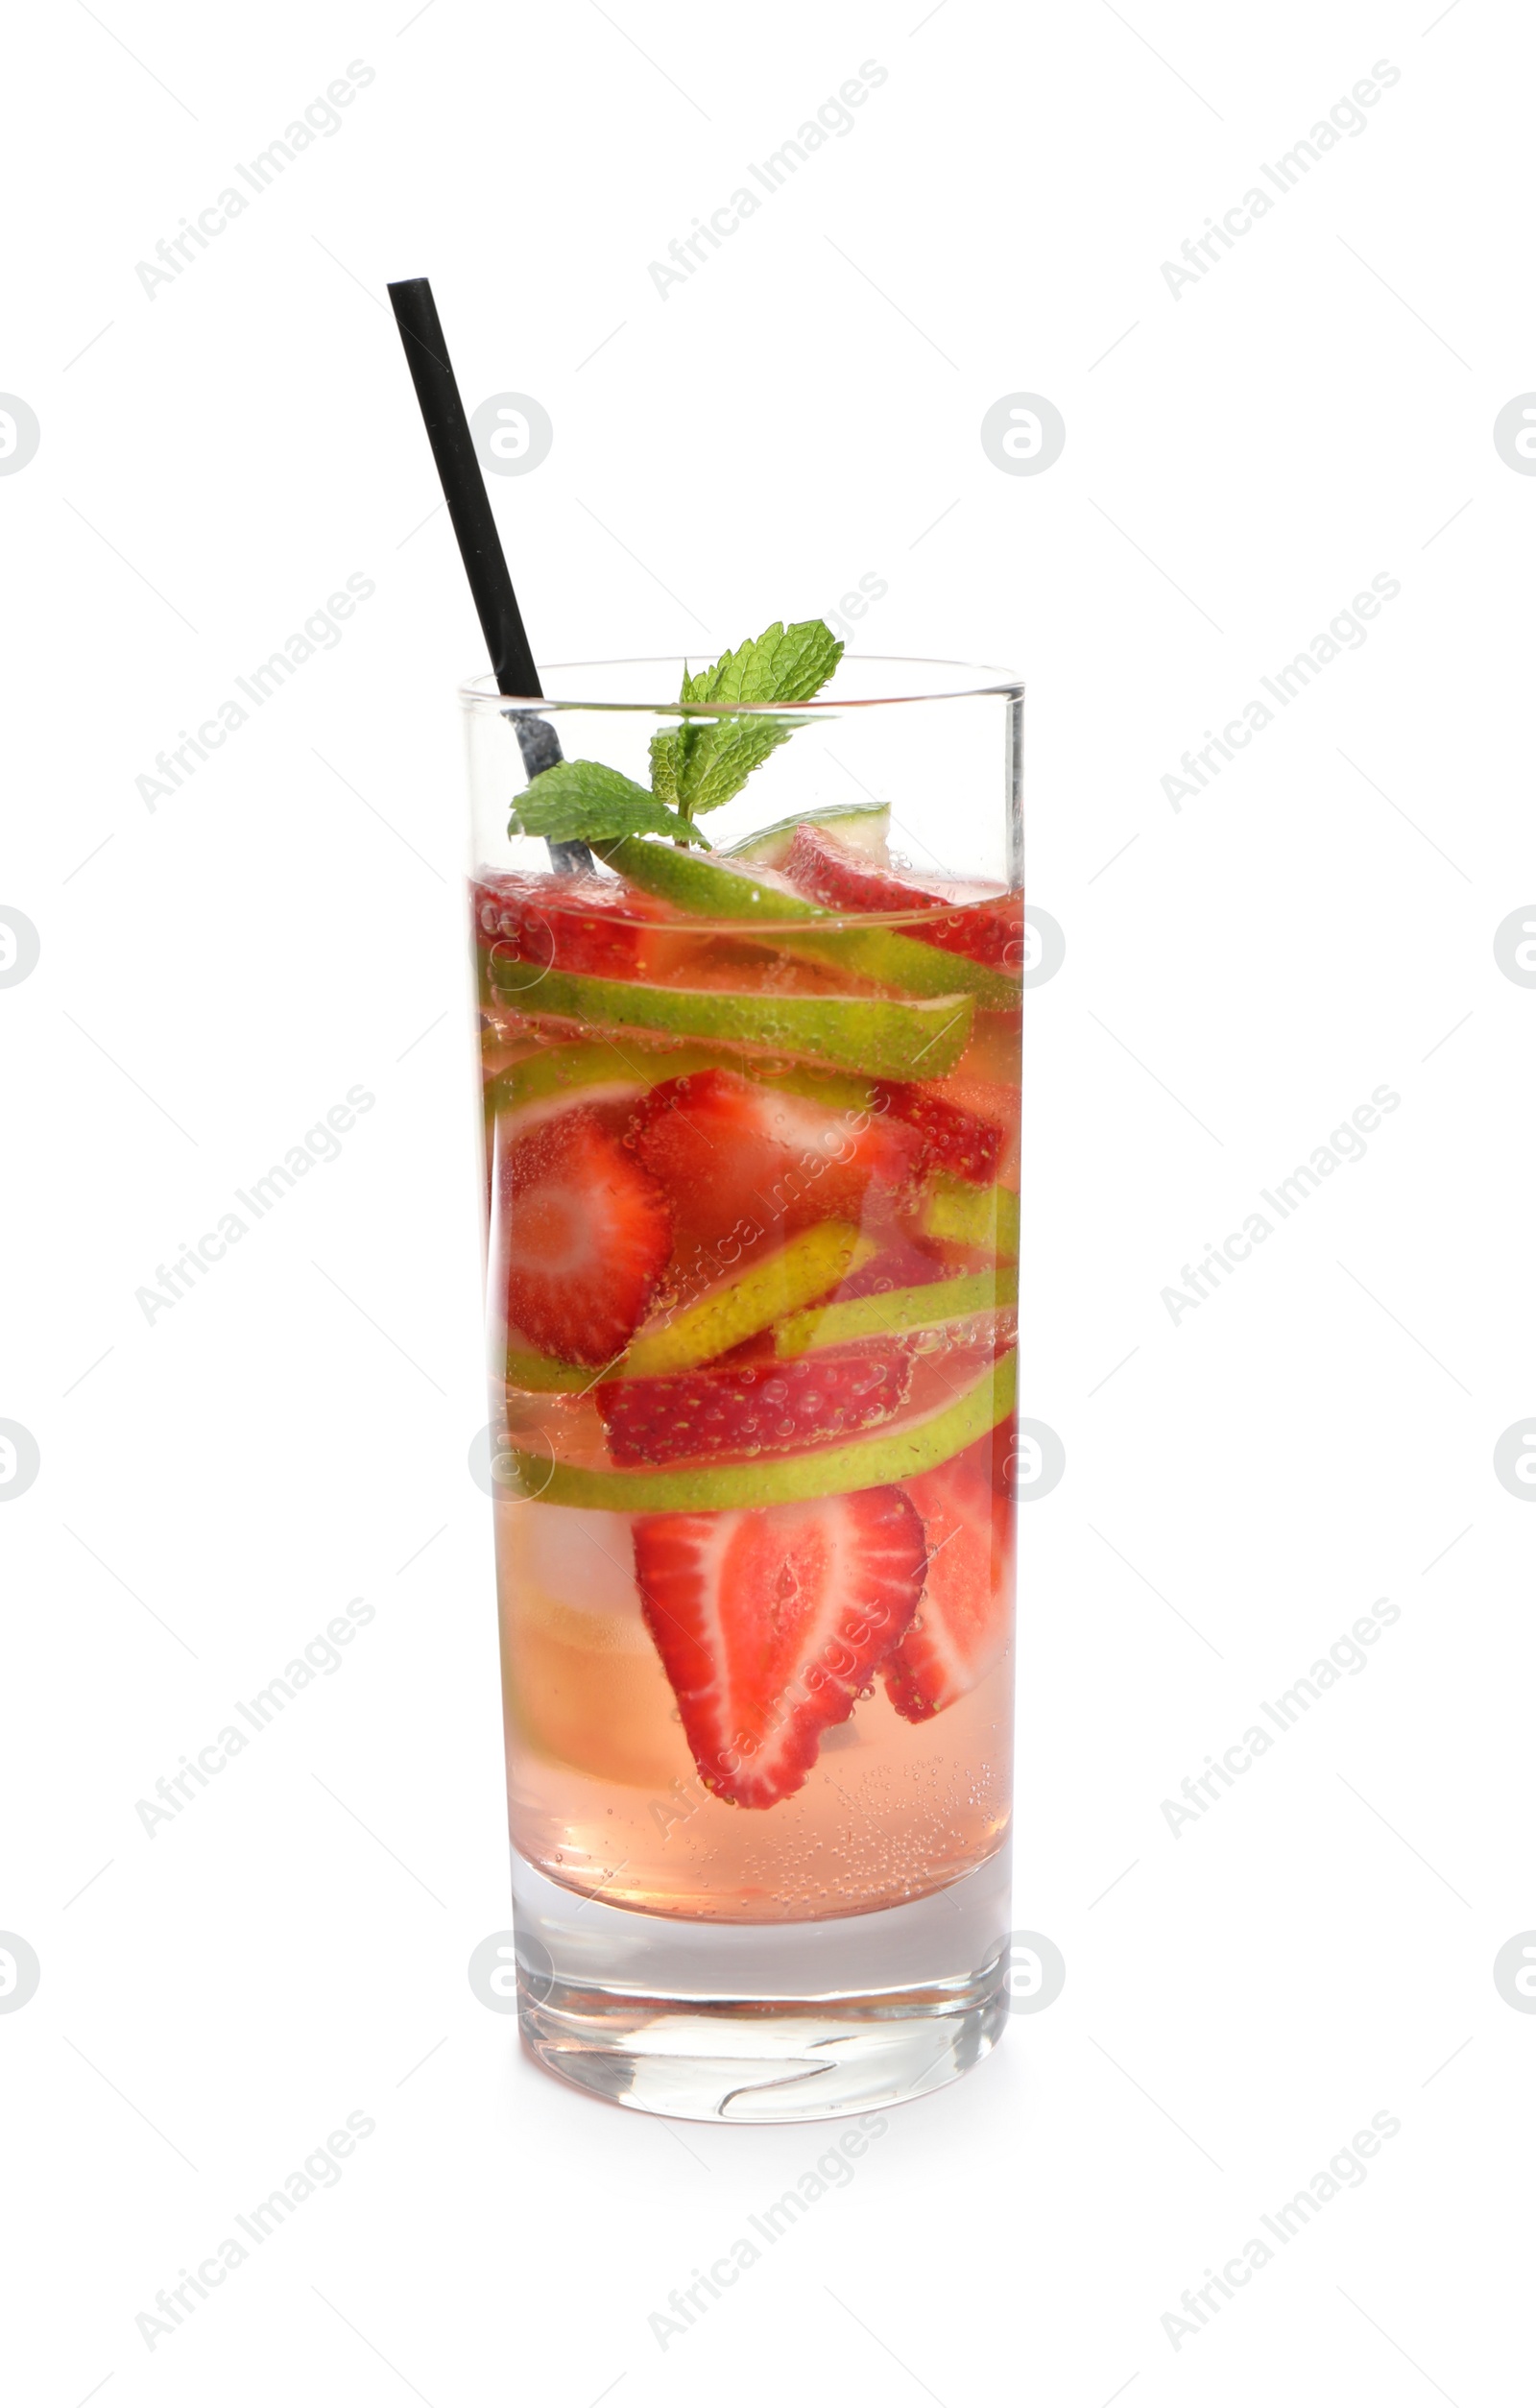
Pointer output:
x,y
762,2023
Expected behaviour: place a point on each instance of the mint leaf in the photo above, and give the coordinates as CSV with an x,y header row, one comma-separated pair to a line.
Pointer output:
x,y
587,797
668,756
783,665
701,768
698,767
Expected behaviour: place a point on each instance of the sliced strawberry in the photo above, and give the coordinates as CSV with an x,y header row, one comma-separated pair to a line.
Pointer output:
x,y
956,1139
737,1157
593,925
995,1101
961,1628
589,1234
747,1409
770,1622
896,1265
981,923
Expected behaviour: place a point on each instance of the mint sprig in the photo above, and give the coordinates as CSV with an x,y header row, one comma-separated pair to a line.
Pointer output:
x,y
696,765
587,799
698,768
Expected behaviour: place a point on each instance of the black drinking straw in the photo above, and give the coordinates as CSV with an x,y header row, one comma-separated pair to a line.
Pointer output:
x,y
485,563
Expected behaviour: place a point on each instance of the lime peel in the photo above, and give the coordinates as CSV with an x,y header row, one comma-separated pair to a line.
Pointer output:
x,y
901,1310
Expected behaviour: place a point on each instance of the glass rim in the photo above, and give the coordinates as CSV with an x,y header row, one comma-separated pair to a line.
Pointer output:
x,y
479,693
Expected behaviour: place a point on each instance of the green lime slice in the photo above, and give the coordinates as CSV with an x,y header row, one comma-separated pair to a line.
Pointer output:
x,y
577,1070
807,1265
803,1267
863,826
574,1069
886,1037
727,890
872,1462
544,1374
973,1216
945,1301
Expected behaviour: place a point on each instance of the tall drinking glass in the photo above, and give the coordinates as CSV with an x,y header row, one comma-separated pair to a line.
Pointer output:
x,y
752,1234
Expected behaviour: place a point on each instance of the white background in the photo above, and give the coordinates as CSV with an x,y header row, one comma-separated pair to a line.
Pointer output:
x,y
1241,1483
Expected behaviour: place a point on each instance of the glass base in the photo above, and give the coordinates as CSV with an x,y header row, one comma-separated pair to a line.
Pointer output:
x,y
762,2023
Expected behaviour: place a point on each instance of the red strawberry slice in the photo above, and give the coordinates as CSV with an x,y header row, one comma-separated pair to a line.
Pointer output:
x,y
589,1234
961,1628
770,1622
731,1152
957,1141
745,1409
984,925
897,1265
585,924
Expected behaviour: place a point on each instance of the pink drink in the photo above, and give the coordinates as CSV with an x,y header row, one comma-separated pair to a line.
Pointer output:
x,y
725,1158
